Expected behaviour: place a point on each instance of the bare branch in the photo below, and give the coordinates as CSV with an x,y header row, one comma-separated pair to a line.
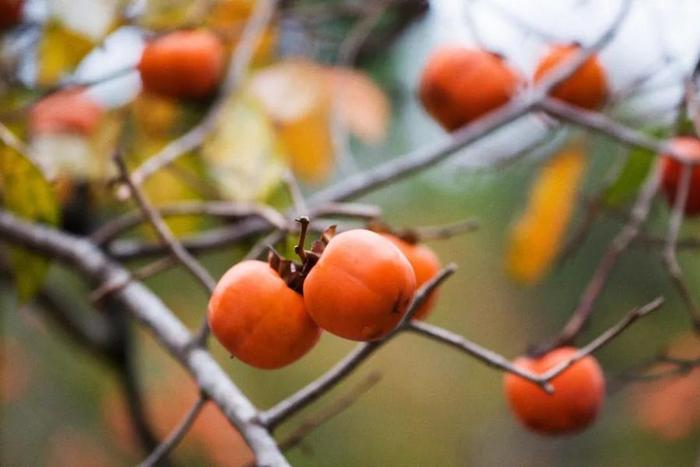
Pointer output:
x,y
335,408
597,283
599,122
164,232
442,232
176,435
224,209
242,55
150,311
482,354
670,258
312,391
604,338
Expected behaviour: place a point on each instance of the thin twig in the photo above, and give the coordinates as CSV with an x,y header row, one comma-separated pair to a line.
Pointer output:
x,y
176,435
599,122
278,413
150,311
224,209
442,232
335,408
163,231
240,60
597,283
604,338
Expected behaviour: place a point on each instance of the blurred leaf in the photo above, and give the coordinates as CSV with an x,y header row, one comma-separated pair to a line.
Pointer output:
x,y
229,18
295,95
536,237
155,119
60,50
360,103
173,14
92,19
630,178
29,195
242,153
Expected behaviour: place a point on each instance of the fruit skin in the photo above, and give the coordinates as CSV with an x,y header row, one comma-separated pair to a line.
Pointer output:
x,y
425,265
459,85
361,286
578,394
67,111
260,320
672,171
587,87
186,64
10,13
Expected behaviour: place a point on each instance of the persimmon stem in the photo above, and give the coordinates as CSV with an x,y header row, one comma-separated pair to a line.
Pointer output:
x,y
299,248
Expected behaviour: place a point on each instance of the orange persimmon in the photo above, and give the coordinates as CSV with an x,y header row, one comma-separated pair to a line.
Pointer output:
x,y
258,318
187,64
459,85
578,393
587,87
671,171
67,111
361,286
425,264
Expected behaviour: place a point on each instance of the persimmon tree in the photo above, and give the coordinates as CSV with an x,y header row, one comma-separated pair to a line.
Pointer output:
x,y
233,141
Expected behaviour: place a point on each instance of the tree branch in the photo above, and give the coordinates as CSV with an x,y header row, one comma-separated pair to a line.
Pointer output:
x,y
150,311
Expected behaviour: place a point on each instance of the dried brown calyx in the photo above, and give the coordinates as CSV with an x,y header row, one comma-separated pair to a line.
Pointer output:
x,y
293,273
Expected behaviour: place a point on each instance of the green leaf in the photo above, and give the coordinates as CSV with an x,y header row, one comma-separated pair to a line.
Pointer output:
x,y
630,178
29,195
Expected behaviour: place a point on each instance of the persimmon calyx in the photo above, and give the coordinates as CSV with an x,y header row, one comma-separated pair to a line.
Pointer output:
x,y
294,273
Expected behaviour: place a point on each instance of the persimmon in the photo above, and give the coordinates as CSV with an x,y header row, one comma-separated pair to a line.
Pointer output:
x,y
578,393
183,64
10,13
361,286
671,171
258,318
68,111
587,87
425,264
459,85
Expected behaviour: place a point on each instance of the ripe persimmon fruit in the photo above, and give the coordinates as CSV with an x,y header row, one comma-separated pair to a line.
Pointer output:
x,y
68,111
183,64
258,318
459,85
671,171
587,87
425,264
10,13
361,286
578,393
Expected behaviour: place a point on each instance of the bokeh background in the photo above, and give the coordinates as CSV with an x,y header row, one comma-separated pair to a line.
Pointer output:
x,y
433,406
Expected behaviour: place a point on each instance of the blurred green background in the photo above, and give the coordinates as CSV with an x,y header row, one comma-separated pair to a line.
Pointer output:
x,y
433,406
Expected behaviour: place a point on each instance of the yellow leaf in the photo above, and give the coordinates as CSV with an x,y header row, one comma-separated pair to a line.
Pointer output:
x,y
295,96
242,153
536,237
173,14
360,103
154,122
60,50
29,195
229,18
